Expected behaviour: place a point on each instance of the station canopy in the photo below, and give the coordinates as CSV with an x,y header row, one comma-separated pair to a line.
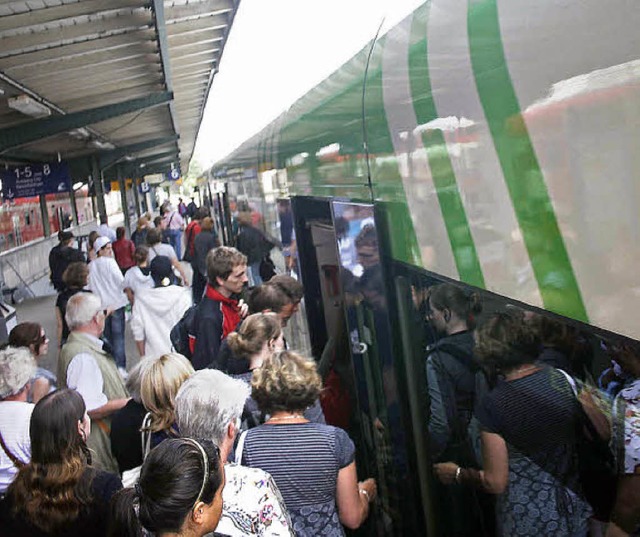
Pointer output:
x,y
123,80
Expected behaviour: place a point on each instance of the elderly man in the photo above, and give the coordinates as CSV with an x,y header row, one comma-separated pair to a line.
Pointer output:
x,y
208,406
218,312
87,367
17,367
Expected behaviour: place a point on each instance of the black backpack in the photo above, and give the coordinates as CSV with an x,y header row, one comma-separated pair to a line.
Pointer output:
x,y
183,332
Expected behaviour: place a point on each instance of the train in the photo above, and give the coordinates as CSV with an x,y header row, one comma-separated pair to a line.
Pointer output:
x,y
491,144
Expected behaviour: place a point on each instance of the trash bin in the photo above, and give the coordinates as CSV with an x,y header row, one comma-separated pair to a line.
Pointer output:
x,y
8,320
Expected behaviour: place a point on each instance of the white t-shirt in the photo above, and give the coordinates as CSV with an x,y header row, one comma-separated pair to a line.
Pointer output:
x,y
162,249
105,280
15,417
84,376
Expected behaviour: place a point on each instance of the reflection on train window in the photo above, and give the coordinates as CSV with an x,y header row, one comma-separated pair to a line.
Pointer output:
x,y
501,412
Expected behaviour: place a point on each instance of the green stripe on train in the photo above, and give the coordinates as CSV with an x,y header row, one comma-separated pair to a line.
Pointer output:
x,y
525,182
444,179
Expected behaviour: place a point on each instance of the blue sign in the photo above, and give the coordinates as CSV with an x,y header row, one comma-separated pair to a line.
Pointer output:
x,y
144,187
174,174
34,179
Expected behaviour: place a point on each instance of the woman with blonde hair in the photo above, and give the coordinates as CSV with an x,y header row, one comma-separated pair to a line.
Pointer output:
x,y
161,381
313,464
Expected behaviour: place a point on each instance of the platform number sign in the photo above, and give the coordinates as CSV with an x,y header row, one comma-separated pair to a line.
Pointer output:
x,y
34,179
144,187
174,174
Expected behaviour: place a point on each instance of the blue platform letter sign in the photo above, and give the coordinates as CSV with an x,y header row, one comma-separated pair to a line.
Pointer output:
x,y
34,179
174,174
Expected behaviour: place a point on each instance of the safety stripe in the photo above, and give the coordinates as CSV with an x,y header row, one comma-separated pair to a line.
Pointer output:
x,y
528,191
455,218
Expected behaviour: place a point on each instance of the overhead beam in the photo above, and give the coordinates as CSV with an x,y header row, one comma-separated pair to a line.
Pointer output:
x,y
61,88
179,39
199,9
42,128
65,11
114,155
215,22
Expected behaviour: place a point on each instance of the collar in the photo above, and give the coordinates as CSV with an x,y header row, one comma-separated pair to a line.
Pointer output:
x,y
214,294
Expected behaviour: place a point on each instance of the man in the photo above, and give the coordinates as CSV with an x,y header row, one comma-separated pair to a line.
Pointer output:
x,y
182,208
293,291
106,281
208,406
105,230
17,368
61,256
192,207
86,366
218,313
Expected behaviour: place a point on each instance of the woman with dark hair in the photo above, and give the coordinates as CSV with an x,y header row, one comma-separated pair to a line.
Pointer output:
x,y
75,278
33,337
58,493
91,253
313,464
528,422
179,492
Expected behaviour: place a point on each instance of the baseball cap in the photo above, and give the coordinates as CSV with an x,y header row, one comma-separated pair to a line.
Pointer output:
x,y
100,243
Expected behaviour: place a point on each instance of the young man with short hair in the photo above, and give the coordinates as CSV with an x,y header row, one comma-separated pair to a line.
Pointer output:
x,y
218,313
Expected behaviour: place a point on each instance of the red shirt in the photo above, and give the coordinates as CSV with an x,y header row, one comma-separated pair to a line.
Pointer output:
x,y
123,250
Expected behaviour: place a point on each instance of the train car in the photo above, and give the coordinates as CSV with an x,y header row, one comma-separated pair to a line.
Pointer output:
x,y
491,144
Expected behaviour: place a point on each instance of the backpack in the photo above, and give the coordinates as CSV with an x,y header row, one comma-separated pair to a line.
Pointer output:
x,y
182,334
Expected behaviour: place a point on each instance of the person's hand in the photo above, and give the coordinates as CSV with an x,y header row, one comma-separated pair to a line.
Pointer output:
x,y
244,308
370,487
446,472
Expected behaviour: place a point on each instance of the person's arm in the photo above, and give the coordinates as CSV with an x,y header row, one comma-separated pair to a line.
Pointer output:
x,y
493,478
107,409
137,327
439,430
39,388
353,498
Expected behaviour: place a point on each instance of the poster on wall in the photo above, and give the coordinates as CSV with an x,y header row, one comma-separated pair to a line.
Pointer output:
x,y
34,179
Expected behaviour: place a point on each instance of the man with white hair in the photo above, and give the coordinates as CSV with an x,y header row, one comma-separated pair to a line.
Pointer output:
x,y
85,366
17,368
208,407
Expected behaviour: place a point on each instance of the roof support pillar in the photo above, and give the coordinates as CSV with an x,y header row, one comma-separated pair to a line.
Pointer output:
x,y
123,199
98,187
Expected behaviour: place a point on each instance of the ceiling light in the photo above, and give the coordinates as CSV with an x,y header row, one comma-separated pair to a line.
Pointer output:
x,y
28,106
80,134
99,144
77,185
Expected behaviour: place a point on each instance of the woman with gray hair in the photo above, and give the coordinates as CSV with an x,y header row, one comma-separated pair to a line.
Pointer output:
x,y
17,367
208,406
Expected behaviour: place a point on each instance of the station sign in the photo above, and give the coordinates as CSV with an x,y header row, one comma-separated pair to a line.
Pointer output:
x,y
174,174
144,187
34,179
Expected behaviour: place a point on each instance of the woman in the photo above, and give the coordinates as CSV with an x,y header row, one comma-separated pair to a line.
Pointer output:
x,y
58,493
312,464
138,277
257,338
179,493
75,278
105,280
157,310
139,236
205,241
33,337
528,438
91,252
161,380
157,247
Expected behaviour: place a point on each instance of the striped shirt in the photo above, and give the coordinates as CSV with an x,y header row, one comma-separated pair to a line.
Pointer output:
x,y
304,460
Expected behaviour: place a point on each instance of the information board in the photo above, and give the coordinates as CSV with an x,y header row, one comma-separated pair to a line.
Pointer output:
x,y
34,179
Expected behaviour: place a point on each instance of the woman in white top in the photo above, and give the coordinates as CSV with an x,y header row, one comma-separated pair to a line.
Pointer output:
x,y
157,247
157,310
105,280
17,367
139,276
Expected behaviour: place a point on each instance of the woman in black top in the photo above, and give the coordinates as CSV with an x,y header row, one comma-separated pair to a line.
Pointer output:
x,y
58,493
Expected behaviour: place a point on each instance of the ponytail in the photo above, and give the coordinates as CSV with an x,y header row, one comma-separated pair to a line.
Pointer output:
x,y
123,519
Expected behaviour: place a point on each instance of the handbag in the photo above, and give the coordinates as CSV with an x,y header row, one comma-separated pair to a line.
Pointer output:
x,y
596,463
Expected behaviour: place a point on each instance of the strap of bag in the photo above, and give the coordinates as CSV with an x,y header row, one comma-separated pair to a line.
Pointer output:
x,y
240,447
15,460
145,436
571,381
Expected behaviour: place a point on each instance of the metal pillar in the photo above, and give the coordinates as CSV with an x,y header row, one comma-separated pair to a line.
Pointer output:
x,y
99,189
136,196
74,207
45,215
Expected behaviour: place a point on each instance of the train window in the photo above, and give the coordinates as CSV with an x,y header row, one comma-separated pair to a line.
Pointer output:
x,y
492,386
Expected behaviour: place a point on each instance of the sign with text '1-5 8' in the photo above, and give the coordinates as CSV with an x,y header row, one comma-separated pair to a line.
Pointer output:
x,y
34,179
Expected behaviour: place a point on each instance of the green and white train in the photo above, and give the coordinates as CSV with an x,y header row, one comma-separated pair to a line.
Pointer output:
x,y
495,143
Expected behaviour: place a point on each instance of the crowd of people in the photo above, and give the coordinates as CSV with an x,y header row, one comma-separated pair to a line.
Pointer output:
x,y
183,443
